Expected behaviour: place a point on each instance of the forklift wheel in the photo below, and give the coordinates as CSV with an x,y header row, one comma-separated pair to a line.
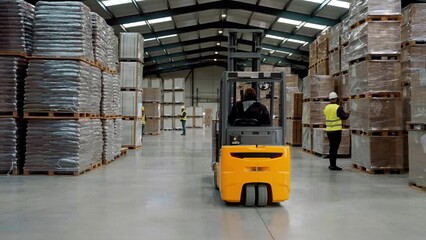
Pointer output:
x,y
250,195
262,195
215,180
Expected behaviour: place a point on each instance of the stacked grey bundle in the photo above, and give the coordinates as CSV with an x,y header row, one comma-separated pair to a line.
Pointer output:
x,y
63,29
16,26
107,94
109,140
97,140
116,104
12,143
60,145
95,90
100,39
58,85
118,137
12,74
112,49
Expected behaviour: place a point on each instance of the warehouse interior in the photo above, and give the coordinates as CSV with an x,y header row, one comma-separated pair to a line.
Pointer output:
x,y
91,119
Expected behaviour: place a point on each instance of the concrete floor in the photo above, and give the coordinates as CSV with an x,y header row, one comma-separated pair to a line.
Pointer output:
x,y
165,192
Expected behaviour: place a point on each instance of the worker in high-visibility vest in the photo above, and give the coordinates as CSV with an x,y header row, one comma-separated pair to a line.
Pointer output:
x,y
334,114
183,119
143,121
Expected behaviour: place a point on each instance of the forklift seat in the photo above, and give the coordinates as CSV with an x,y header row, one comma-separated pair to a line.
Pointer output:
x,y
246,122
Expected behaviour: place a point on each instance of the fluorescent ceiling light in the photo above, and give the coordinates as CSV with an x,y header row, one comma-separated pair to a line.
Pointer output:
x,y
284,52
218,44
289,21
108,3
215,59
167,36
224,15
160,20
134,24
315,1
269,50
216,52
220,31
148,39
315,26
275,37
340,4
295,41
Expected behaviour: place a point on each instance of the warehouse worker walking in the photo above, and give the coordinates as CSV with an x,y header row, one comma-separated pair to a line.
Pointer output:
x,y
183,120
334,114
143,121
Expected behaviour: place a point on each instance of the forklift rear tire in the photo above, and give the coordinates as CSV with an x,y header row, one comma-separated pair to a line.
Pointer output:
x,y
262,195
215,180
250,195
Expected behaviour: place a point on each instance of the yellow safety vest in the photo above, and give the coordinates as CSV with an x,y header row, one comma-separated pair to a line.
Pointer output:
x,y
181,114
332,121
143,118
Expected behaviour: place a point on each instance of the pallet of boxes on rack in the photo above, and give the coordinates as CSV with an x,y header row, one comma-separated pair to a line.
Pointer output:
x,y
152,106
64,132
197,121
17,45
131,72
379,142
178,100
168,113
294,107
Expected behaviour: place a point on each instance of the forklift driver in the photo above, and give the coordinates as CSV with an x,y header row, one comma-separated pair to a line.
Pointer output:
x,y
249,112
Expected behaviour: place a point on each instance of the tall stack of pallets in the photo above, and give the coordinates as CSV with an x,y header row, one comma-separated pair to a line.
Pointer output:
x,y
318,55
173,100
294,107
131,69
376,121
413,63
152,106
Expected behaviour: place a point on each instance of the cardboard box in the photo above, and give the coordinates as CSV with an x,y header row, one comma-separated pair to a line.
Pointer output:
x,y
294,132
321,144
131,46
417,157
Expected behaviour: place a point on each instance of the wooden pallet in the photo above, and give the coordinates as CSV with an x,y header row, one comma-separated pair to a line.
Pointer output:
x,y
370,57
413,43
379,171
380,133
416,126
324,155
133,147
62,172
314,125
378,18
131,89
316,100
344,44
151,101
153,134
339,74
130,60
83,59
333,50
57,115
294,145
9,114
14,54
377,95
102,116
307,150
14,172
294,118
130,118
418,187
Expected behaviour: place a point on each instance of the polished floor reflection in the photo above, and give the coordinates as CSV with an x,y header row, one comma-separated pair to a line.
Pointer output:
x,y
164,191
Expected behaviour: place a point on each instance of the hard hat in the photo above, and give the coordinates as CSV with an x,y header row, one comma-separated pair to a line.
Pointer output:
x,y
143,108
183,107
332,95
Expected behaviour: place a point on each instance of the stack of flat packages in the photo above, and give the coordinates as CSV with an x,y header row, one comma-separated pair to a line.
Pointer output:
x,y
112,50
17,27
417,156
118,136
334,49
107,101
100,39
294,107
317,87
307,138
131,71
116,103
108,131
153,117
12,148
70,146
322,45
313,58
321,144
375,85
12,75
198,117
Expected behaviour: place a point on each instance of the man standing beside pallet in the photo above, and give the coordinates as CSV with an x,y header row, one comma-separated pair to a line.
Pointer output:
x,y
334,114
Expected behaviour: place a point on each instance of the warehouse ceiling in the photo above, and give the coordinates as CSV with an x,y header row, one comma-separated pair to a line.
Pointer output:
x,y
185,34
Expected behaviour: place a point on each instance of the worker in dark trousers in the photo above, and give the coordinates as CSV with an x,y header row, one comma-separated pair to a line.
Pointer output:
x,y
334,114
250,108
183,120
143,121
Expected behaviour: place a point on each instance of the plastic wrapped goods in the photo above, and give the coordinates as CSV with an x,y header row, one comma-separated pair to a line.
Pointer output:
x,y
132,132
322,45
313,112
116,103
344,58
412,60
108,131
112,49
414,14
360,9
131,46
379,152
322,67
307,138
313,53
321,144
12,144
375,38
374,76
131,74
12,74
118,137
418,111
418,93
95,83
100,39
334,64
417,156
375,114
346,32
151,95
294,132
153,110
107,100
132,103
335,33
153,126
63,145
294,105
59,86
63,29
342,86
16,26
318,86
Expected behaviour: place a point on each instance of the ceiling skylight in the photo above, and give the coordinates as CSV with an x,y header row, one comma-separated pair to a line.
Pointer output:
x,y
315,26
275,37
289,21
108,3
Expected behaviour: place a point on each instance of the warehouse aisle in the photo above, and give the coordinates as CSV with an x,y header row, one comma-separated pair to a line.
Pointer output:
x,y
165,192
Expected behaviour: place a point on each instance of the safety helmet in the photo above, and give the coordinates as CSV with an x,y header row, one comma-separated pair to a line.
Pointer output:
x,y
183,107
332,95
143,108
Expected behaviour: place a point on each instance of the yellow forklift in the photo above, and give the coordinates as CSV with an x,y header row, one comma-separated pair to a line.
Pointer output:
x,y
251,163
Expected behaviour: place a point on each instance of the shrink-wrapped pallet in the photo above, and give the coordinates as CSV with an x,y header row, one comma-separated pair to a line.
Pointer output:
x,y
285,70
374,76
155,83
152,126
63,145
334,64
95,83
12,144
108,131
16,26
152,110
321,144
342,85
198,111
334,37
168,123
168,97
344,58
132,133
313,53
376,114
179,83
63,29
417,156
294,132
312,71
313,112
131,46
418,93
418,111
307,138
412,60
72,81
413,19
318,86
294,105
322,67
112,50
116,104
168,110
376,38
379,152
362,9
131,74
100,39
107,102
131,103
177,125
118,136
179,97
152,95
322,45
291,81
346,32
168,84
12,74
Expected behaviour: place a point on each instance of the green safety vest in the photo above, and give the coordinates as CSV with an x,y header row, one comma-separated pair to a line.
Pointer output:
x,y
183,116
332,121
143,118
